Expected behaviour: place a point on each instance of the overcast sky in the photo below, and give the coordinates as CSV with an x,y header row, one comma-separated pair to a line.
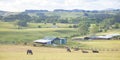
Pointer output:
x,y
21,5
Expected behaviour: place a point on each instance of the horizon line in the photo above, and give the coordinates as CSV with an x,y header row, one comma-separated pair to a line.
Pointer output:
x,y
64,9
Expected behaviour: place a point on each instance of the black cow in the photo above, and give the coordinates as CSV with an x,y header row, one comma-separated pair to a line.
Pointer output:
x,y
68,49
83,51
29,52
86,38
95,51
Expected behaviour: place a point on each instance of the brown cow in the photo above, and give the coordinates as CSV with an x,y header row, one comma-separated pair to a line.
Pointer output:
x,y
84,51
95,51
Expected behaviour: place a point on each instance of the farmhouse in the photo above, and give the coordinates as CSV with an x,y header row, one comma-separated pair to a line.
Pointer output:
x,y
51,40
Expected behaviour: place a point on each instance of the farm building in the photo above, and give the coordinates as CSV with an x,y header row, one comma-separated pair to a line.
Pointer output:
x,y
51,40
104,37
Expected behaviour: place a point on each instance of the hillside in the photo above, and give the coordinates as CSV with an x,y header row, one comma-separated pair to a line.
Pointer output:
x,y
58,15
18,27
11,35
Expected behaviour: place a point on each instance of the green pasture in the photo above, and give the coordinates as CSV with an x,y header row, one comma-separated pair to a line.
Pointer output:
x,y
48,25
12,25
10,34
65,14
7,25
112,31
29,35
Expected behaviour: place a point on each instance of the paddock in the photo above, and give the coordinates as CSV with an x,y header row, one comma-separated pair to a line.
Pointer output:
x,y
18,52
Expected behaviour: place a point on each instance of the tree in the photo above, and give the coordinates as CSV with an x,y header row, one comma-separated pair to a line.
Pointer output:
x,y
75,26
23,17
16,23
54,23
116,26
51,19
83,28
70,26
117,17
39,26
107,23
93,29
1,17
21,24
63,21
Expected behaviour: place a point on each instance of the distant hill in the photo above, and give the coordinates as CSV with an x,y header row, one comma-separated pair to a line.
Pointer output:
x,y
58,15
35,11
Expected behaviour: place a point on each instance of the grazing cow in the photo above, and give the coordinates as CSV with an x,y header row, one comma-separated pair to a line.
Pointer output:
x,y
29,52
25,43
83,51
76,49
34,45
86,38
95,51
68,49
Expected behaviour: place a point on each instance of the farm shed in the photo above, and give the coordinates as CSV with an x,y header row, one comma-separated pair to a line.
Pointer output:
x,y
103,37
51,40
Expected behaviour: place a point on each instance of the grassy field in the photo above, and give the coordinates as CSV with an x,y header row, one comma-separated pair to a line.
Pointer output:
x,y
12,48
48,25
29,35
102,44
10,34
18,52
11,25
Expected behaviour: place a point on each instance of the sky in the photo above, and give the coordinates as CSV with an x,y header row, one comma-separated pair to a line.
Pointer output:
x,y
22,5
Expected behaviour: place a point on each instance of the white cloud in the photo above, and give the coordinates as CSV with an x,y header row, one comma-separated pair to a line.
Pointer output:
x,y
93,4
21,5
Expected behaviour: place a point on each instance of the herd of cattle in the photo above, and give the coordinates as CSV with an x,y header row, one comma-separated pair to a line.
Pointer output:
x,y
68,49
83,51
29,51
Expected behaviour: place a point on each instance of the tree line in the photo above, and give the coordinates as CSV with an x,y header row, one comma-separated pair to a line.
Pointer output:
x,y
96,21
